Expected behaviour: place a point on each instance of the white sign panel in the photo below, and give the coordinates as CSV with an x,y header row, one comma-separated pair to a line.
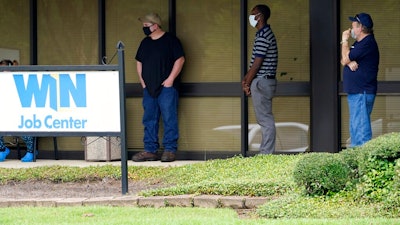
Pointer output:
x,y
72,101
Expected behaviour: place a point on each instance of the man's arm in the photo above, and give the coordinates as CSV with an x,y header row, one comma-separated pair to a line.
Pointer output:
x,y
139,71
178,65
345,47
345,60
251,73
345,53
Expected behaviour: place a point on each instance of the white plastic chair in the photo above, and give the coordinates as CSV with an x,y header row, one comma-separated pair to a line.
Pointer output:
x,y
291,137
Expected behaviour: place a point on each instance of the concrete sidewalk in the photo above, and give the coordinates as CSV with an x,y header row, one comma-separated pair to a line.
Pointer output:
x,y
13,163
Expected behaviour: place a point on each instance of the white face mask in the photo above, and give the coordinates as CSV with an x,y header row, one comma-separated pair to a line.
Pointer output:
x,y
252,20
353,35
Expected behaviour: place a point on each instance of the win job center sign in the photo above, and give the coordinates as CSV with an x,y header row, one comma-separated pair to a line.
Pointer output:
x,y
81,101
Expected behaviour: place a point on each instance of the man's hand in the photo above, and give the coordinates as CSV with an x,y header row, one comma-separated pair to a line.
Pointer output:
x,y
168,82
353,65
346,34
246,88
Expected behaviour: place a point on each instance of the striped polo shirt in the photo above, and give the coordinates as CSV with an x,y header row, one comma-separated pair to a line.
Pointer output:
x,y
265,46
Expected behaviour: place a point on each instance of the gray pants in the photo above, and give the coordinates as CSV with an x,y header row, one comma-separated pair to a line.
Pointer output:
x,y
262,92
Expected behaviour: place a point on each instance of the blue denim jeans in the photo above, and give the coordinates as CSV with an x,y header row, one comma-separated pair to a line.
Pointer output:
x,y
360,108
166,106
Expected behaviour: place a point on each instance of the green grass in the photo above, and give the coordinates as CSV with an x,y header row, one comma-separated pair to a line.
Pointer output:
x,y
59,174
269,175
152,216
255,176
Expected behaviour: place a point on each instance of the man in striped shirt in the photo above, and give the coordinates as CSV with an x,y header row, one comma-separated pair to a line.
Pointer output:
x,y
260,80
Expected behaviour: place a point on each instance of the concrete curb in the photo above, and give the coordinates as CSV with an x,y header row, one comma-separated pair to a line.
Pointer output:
x,y
202,201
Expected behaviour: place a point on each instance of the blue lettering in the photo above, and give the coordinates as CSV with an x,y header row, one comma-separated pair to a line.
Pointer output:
x,y
33,90
48,87
30,123
50,123
78,93
47,121
69,123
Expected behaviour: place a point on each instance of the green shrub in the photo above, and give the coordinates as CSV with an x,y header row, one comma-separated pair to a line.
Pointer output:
x,y
379,152
392,202
377,168
322,173
353,157
386,146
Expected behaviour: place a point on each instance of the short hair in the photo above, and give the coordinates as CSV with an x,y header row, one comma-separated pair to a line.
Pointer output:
x,y
6,62
367,30
265,10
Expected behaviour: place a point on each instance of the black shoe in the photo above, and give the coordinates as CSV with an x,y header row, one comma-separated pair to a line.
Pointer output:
x,y
168,157
144,156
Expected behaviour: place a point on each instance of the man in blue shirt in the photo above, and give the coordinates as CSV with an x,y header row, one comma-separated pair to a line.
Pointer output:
x,y
360,61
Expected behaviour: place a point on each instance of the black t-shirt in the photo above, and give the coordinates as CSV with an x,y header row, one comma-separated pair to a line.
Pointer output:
x,y
158,58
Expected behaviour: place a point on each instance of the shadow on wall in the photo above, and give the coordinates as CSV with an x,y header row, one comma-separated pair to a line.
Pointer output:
x,y
291,137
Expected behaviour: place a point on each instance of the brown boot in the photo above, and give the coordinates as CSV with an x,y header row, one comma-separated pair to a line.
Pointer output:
x,y
168,157
144,156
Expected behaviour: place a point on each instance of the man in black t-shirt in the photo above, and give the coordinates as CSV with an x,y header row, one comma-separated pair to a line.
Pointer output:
x,y
160,59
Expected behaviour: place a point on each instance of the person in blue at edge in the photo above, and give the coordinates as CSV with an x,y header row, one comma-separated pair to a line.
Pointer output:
x,y
260,80
360,72
159,61
4,151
